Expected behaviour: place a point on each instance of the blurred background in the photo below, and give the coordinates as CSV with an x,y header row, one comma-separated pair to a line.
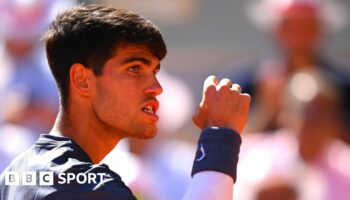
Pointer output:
x,y
292,56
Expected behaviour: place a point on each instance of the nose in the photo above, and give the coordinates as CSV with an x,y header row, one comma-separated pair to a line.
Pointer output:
x,y
154,88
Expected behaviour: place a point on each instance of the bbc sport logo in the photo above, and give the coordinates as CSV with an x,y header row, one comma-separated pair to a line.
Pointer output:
x,y
47,178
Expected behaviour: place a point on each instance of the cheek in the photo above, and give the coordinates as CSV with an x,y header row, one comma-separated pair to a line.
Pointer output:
x,y
112,110
115,100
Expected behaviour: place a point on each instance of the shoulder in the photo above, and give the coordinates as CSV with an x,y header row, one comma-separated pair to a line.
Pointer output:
x,y
87,177
86,181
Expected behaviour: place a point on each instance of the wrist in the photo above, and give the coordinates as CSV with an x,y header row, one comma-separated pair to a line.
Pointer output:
x,y
218,150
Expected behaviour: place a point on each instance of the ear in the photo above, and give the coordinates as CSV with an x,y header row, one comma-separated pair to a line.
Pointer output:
x,y
79,79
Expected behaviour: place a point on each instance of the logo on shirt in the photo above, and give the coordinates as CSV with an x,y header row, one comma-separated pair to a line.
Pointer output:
x,y
47,178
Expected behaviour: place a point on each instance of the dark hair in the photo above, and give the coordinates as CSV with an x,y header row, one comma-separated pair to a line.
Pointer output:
x,y
90,35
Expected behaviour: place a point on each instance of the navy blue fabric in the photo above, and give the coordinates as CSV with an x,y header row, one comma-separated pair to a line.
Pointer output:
x,y
218,150
62,155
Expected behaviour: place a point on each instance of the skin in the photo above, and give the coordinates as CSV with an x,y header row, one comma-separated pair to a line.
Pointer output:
x,y
222,105
104,109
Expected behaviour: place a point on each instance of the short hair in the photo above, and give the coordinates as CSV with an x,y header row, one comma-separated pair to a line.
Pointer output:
x,y
90,35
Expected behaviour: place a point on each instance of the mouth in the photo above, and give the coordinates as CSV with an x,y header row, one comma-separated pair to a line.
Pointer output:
x,y
150,108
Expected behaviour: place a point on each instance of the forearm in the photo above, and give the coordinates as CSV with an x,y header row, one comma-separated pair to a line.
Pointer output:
x,y
210,185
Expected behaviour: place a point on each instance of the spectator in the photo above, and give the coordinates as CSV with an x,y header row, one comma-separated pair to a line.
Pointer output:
x,y
298,29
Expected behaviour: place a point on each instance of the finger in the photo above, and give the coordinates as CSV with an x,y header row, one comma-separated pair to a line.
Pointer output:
x,y
224,83
209,81
236,87
247,98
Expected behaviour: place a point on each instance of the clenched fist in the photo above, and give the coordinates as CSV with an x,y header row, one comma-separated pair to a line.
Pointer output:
x,y
222,105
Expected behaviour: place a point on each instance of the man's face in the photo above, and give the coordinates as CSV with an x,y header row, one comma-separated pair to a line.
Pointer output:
x,y
124,97
299,33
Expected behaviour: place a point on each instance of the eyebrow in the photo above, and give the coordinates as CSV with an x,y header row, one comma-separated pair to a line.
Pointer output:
x,y
140,59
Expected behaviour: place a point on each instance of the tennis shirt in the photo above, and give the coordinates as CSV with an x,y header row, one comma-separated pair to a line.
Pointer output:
x,y
56,167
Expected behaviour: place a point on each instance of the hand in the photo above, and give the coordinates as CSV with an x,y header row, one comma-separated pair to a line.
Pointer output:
x,y
222,105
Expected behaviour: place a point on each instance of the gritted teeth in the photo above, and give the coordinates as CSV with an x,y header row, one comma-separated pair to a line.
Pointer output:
x,y
148,109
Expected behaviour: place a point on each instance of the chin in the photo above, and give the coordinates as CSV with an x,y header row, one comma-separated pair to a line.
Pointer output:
x,y
149,134
145,132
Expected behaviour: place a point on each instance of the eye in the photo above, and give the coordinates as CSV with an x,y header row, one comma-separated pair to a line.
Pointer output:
x,y
134,69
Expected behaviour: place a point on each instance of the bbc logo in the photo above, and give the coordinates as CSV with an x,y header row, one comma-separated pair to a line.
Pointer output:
x,y
28,178
47,178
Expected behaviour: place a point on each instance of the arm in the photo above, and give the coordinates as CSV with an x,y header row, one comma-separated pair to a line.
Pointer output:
x,y
217,186
214,168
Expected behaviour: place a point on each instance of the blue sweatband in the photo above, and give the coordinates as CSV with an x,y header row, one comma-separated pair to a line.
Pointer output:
x,y
218,150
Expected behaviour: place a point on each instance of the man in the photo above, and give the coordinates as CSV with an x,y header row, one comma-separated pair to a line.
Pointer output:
x,y
105,62
298,30
300,104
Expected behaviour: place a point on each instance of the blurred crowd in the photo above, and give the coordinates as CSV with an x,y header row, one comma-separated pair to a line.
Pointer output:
x,y
296,143
300,107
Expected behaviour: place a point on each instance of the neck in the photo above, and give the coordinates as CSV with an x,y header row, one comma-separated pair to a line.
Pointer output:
x,y
95,140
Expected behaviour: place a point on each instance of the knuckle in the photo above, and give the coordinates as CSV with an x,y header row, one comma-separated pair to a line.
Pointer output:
x,y
224,88
247,97
209,90
226,80
210,79
236,87
235,92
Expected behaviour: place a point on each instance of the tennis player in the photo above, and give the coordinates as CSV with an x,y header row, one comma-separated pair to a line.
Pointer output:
x,y
105,62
